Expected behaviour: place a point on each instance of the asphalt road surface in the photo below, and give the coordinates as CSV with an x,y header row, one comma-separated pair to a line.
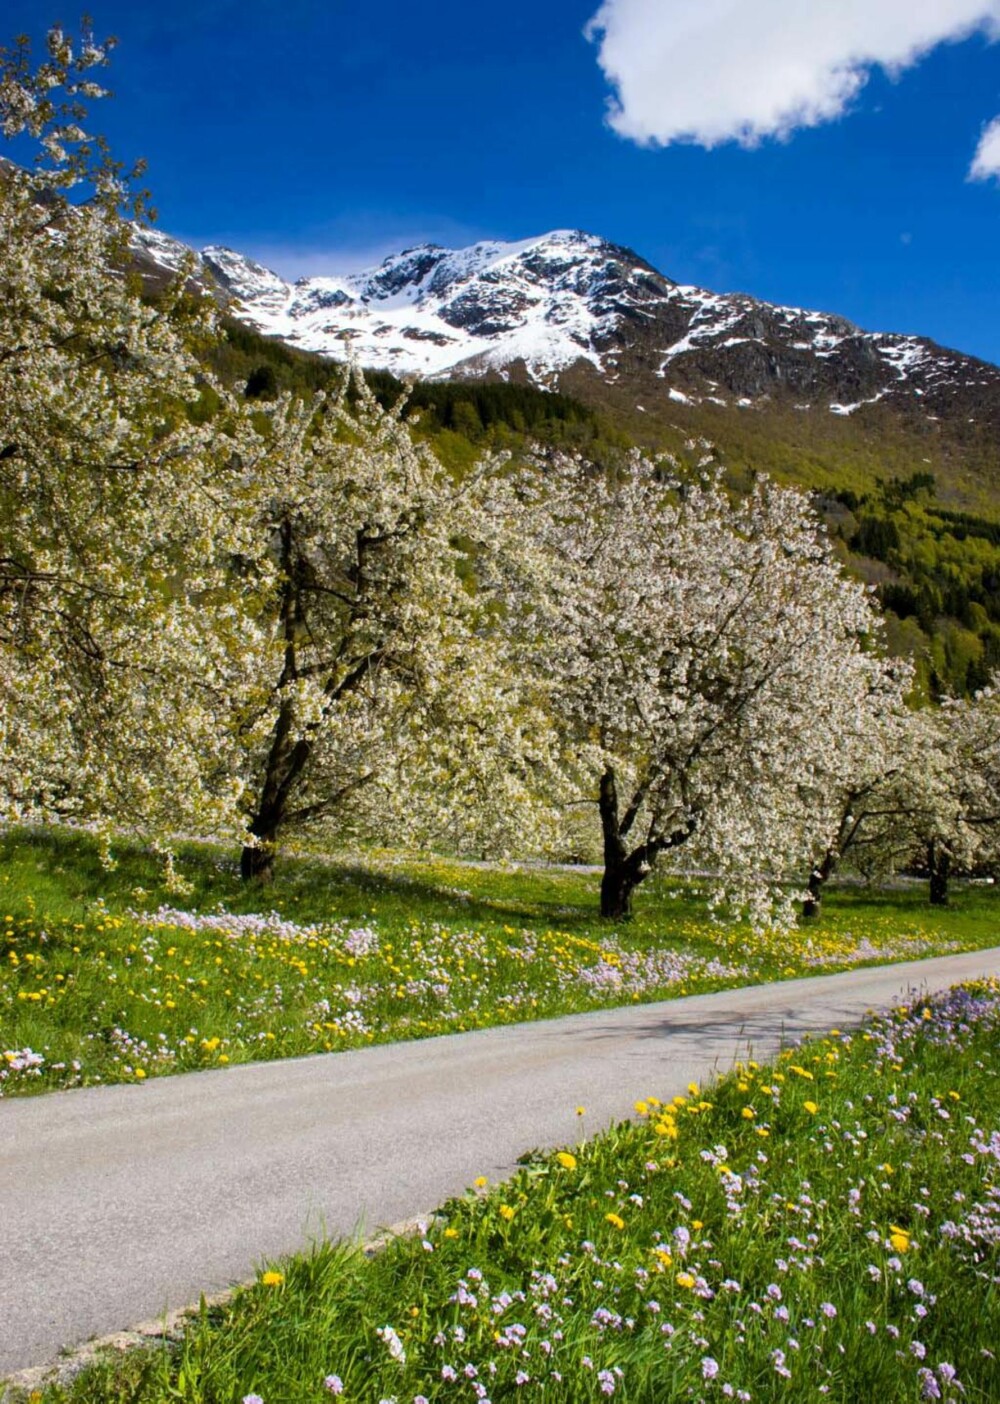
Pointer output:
x,y
120,1203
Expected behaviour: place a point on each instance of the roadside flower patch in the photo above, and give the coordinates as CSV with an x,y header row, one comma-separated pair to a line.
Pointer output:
x,y
127,995
853,1254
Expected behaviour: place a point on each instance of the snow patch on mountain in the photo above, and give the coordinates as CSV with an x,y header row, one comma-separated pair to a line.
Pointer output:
x,y
163,250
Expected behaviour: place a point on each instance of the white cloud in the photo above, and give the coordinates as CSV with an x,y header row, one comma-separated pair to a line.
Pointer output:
x,y
712,71
986,162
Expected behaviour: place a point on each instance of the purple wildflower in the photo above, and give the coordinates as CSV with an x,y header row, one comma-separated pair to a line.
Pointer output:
x,y
928,1384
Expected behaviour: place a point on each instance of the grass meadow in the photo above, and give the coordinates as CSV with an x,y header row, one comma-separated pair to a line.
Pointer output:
x,y
824,1227
108,976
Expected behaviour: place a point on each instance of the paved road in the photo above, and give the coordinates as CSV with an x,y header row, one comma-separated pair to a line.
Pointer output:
x,y
119,1203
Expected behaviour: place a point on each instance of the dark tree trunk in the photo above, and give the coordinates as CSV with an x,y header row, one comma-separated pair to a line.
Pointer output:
x,y
257,859
622,874
612,896
939,870
617,886
812,904
818,879
624,870
286,760
939,889
257,863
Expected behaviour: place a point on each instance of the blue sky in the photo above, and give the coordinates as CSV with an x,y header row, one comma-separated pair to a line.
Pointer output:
x,y
317,136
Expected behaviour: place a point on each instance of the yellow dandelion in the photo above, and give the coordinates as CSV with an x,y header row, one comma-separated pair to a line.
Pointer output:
x,y
451,1233
480,1182
811,1107
899,1238
272,1279
567,1161
684,1279
506,1212
748,1113
615,1220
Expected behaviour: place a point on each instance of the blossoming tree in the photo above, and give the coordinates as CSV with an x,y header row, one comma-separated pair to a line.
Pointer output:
x,y
953,789
864,806
392,700
241,622
114,555
708,656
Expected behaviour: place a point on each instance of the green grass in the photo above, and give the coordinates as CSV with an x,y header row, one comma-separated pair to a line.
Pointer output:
x,y
99,984
824,1228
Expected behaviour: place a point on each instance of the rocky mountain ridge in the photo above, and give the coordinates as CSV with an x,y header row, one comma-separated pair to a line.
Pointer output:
x,y
570,305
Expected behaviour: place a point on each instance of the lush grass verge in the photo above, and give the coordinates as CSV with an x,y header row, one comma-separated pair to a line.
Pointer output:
x,y
826,1227
108,977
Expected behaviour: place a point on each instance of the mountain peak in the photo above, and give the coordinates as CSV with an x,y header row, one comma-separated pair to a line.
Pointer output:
x,y
569,301
544,302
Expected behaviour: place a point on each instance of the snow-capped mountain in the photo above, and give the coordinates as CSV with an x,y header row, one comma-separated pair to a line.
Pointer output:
x,y
430,311
570,301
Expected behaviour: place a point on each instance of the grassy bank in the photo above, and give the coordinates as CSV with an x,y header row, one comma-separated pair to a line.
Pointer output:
x,y
825,1227
108,977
